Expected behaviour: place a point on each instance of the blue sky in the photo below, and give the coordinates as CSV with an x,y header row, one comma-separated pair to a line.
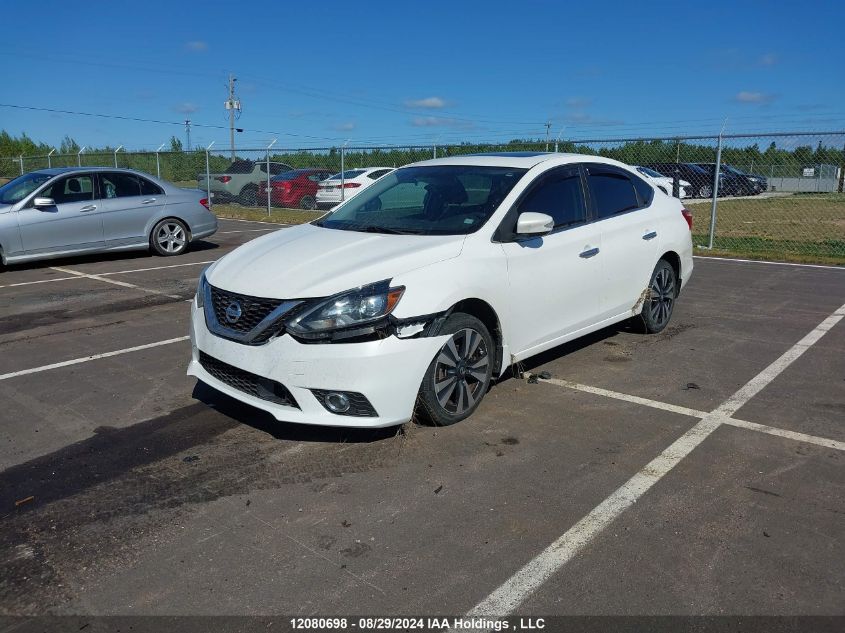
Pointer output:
x,y
317,74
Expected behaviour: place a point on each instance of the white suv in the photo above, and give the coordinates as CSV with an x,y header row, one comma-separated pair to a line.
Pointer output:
x,y
345,185
420,291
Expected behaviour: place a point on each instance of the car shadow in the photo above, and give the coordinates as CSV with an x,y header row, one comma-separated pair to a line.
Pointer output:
x,y
262,421
129,256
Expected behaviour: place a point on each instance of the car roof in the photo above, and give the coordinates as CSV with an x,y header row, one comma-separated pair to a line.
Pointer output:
x,y
519,160
56,171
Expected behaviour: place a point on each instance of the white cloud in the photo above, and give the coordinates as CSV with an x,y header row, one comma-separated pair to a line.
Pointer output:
x,y
431,103
769,59
186,107
345,127
746,96
196,46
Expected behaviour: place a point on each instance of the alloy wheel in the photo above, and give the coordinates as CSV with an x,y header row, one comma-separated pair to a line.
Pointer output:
x,y
171,237
460,371
662,297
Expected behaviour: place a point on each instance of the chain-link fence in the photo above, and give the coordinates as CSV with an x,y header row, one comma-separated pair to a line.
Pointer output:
x,y
777,196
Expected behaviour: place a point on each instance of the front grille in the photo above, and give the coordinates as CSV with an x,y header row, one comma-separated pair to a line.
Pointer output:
x,y
253,309
359,406
247,382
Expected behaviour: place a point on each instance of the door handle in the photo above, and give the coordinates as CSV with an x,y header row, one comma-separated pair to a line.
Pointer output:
x,y
589,253
650,236
86,209
148,201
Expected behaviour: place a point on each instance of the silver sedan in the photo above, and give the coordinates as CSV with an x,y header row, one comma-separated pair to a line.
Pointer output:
x,y
70,211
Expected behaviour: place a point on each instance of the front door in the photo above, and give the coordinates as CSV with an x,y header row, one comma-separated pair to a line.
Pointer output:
x,y
553,278
73,223
128,202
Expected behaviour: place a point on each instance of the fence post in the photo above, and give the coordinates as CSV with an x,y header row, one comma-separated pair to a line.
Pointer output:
x,y
208,175
715,191
342,159
49,160
119,147
269,190
20,160
79,156
158,164
842,172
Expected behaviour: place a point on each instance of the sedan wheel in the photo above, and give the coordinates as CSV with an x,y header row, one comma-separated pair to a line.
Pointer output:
x,y
705,192
662,292
460,374
169,237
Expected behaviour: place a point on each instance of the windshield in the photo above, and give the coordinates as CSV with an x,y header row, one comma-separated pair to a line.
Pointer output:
x,y
446,200
16,190
347,175
650,172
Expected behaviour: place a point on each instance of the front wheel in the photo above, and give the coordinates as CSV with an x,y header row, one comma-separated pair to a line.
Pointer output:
x,y
308,203
169,237
662,292
459,375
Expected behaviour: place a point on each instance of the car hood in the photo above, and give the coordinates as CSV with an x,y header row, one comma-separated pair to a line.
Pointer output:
x,y
310,261
4,208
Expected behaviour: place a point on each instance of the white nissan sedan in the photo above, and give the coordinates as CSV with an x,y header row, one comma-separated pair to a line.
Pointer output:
x,y
420,291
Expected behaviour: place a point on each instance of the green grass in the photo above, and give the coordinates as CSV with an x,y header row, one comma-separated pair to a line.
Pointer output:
x,y
799,227
283,216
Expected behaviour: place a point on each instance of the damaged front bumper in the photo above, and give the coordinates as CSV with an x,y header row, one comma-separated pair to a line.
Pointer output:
x,y
386,371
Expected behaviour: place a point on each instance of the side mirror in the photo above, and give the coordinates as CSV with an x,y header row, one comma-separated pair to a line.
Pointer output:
x,y
530,223
40,203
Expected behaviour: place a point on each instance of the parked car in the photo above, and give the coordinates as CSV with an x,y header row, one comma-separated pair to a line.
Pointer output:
x,y
241,181
664,183
701,183
753,184
69,211
295,189
416,293
335,189
730,183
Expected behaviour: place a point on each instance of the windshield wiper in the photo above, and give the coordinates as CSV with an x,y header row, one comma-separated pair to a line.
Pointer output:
x,y
384,229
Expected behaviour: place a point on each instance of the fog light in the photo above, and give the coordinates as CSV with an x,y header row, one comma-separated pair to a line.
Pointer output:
x,y
337,402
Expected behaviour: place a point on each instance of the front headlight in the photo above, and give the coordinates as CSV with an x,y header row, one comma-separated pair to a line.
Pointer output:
x,y
353,309
200,296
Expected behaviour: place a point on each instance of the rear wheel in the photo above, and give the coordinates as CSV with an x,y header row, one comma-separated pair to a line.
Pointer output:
x,y
459,375
308,202
249,196
662,292
169,237
705,191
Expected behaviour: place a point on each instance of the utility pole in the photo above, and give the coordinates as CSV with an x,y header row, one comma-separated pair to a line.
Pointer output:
x,y
548,131
187,135
232,105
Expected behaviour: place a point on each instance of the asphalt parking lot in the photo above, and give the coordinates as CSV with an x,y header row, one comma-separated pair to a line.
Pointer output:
x,y
697,472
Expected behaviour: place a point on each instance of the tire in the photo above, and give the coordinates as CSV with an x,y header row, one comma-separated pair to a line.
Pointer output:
x,y
705,191
658,308
308,202
249,196
169,237
444,397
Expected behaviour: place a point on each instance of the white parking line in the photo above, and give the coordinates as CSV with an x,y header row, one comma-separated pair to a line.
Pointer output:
x,y
115,282
714,258
222,219
107,274
514,591
85,359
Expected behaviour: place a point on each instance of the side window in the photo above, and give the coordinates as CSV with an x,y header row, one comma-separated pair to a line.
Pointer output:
x,y
149,188
79,188
278,168
377,174
612,191
315,177
118,185
644,191
262,167
558,195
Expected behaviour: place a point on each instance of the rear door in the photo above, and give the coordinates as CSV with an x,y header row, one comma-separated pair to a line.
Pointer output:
x,y
553,278
623,205
73,223
128,202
